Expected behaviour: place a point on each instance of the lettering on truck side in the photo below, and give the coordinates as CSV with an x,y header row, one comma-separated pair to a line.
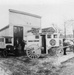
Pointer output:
x,y
33,40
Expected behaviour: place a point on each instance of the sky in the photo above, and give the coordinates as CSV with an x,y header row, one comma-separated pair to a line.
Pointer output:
x,y
52,11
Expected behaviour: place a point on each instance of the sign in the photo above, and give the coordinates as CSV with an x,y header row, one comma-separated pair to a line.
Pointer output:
x,y
52,42
34,31
49,30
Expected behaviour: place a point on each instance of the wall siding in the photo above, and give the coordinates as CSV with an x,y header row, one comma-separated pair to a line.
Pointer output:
x,y
19,19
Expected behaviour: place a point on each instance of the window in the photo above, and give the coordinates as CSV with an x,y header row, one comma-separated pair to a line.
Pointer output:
x,y
1,39
60,42
36,40
8,40
48,36
55,35
37,37
30,41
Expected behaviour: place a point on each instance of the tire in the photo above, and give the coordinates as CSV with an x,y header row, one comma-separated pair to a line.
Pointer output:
x,y
32,53
5,53
52,51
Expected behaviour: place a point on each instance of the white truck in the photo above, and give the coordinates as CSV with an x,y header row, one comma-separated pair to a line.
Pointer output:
x,y
40,43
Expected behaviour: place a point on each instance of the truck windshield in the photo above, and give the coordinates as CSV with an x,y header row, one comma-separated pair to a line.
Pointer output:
x,y
8,40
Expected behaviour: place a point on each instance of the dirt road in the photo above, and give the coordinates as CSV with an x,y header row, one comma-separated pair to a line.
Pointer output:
x,y
24,66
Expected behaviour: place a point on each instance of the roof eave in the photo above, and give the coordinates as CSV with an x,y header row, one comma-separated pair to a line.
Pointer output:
x,y
24,13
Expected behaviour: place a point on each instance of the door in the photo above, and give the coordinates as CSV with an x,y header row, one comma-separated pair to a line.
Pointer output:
x,y
18,34
43,51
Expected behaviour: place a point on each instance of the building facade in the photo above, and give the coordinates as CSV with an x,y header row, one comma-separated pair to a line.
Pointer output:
x,y
19,23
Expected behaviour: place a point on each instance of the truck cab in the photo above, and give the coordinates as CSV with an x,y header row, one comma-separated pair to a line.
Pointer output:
x,y
6,45
4,41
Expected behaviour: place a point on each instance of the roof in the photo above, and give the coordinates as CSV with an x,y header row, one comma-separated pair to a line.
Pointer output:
x,y
24,13
6,36
4,28
49,30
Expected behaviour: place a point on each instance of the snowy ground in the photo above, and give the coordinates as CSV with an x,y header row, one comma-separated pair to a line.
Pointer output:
x,y
42,66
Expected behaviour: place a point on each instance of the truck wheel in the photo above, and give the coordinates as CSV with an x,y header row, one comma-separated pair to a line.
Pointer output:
x,y
31,54
5,53
33,51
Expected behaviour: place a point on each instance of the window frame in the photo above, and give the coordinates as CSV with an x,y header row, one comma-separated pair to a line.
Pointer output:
x,y
55,36
7,40
36,36
48,36
1,39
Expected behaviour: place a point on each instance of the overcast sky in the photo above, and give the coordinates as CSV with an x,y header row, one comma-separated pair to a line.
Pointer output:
x,y
52,11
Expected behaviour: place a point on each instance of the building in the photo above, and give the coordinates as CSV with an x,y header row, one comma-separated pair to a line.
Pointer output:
x,y
19,23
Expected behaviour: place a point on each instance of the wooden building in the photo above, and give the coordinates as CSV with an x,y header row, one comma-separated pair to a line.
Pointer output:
x,y
19,23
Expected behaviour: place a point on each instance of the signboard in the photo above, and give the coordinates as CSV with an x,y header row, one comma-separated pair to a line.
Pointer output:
x,y
34,31
49,30
52,42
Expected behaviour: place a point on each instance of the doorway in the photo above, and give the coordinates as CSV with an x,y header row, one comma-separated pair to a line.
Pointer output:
x,y
18,34
43,51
